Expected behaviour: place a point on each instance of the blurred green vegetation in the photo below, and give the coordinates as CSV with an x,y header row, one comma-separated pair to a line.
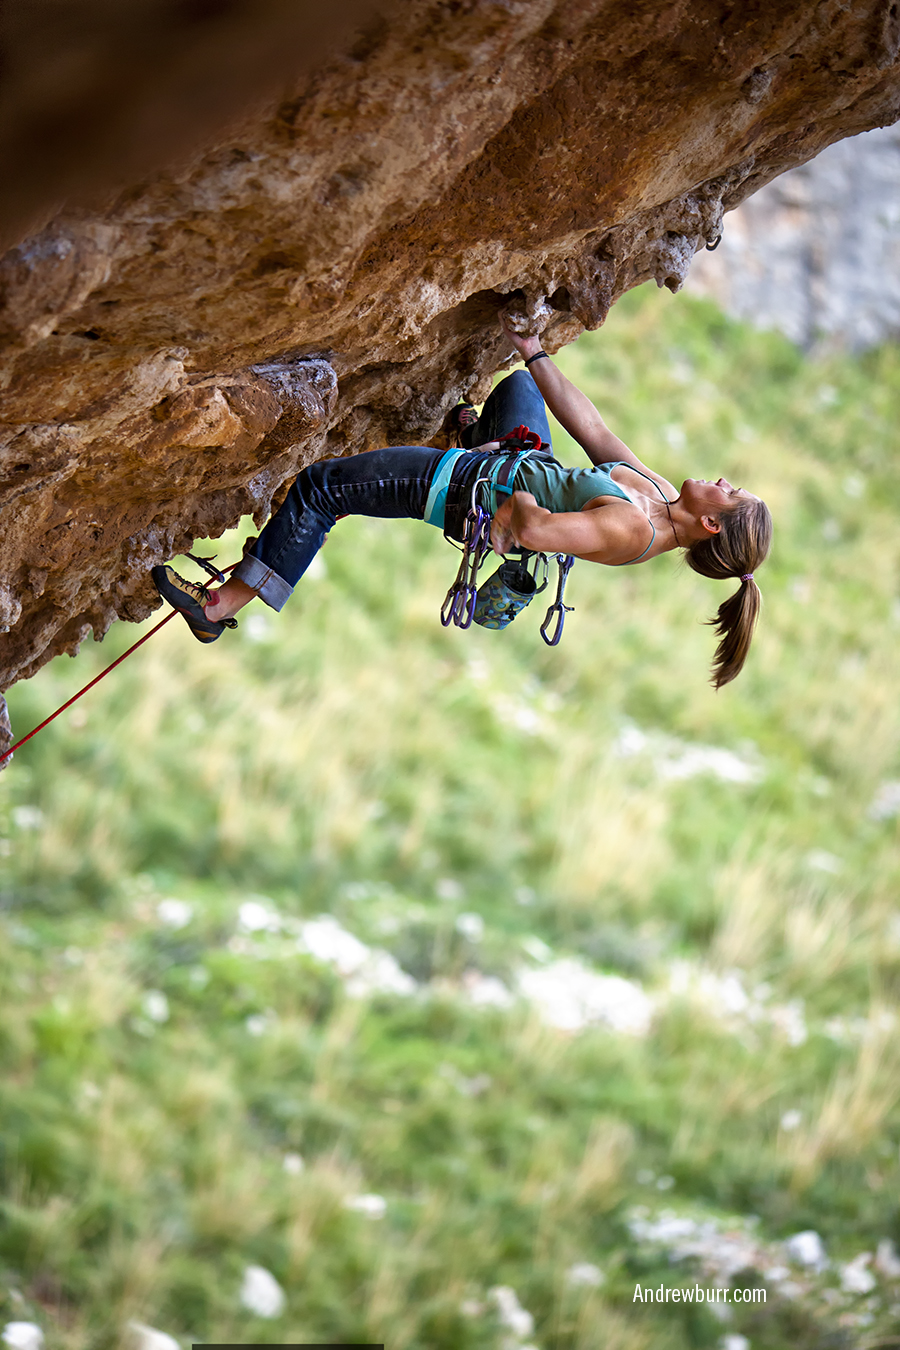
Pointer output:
x,y
351,757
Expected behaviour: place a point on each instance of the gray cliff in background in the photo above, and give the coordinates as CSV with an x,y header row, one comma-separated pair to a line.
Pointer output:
x,y
816,253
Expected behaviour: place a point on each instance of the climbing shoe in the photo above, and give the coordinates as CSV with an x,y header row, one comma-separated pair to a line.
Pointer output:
x,y
189,598
458,419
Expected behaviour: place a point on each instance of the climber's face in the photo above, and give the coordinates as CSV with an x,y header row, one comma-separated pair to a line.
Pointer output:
x,y
703,497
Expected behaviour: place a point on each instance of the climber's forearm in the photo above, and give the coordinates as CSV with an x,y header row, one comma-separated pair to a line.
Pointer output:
x,y
575,411
535,528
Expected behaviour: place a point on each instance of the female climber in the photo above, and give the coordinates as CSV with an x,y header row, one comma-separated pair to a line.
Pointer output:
x,y
618,512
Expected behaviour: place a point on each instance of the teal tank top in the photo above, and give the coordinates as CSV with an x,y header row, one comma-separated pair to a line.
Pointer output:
x,y
557,488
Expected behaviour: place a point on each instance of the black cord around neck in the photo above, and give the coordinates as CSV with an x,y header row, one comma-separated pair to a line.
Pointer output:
x,y
672,523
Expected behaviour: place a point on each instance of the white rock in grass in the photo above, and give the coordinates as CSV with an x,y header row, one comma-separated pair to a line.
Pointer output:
x,y
141,1337
367,970
327,941
887,1262
734,1341
820,860
175,914
380,975
570,996
293,1164
258,915
27,818
886,804
675,760
583,1273
510,1312
789,1019
725,998
257,627
373,1206
23,1336
856,1278
791,1120
470,926
474,1086
156,1006
722,1249
711,760
807,1249
261,1293
486,991
536,949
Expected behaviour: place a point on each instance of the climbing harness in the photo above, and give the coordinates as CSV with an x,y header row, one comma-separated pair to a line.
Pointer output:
x,y
205,563
514,585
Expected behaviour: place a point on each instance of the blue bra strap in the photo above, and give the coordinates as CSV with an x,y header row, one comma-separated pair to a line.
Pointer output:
x,y
646,550
612,464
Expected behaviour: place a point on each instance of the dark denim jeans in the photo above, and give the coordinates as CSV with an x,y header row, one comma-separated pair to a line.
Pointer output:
x,y
515,401
390,483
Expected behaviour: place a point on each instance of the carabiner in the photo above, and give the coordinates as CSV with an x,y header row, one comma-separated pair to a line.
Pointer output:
x,y
564,563
459,603
207,565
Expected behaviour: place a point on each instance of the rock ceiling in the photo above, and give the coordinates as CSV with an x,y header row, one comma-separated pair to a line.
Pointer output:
x,y
322,274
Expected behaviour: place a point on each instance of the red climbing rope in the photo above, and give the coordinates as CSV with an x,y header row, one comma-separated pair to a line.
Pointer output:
x,y
95,680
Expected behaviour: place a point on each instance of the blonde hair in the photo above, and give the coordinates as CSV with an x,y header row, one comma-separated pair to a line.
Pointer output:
x,y
741,544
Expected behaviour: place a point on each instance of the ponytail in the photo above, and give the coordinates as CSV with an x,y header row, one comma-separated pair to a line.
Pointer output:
x,y
741,544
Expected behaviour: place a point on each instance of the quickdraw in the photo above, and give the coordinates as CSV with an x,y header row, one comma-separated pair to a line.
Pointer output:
x,y
459,604
564,562
513,586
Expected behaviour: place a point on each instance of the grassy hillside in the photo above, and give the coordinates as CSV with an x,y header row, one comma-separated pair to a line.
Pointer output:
x,y
606,991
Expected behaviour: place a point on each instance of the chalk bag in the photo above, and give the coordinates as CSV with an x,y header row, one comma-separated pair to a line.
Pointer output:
x,y
505,594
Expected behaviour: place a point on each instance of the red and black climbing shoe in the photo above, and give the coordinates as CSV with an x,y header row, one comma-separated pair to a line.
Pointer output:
x,y
188,597
458,419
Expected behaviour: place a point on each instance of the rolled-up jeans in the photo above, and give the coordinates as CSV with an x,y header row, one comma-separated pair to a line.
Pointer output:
x,y
392,483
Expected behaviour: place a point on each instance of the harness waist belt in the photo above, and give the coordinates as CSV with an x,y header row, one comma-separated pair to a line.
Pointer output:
x,y
436,504
499,479
503,475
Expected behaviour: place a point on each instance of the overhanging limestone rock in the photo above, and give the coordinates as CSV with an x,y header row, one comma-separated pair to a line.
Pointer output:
x,y
325,277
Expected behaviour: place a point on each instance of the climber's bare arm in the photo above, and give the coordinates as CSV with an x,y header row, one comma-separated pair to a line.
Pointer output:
x,y
573,409
613,532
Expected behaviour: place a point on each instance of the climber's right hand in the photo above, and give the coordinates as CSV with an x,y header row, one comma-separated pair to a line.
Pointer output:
x,y
525,346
